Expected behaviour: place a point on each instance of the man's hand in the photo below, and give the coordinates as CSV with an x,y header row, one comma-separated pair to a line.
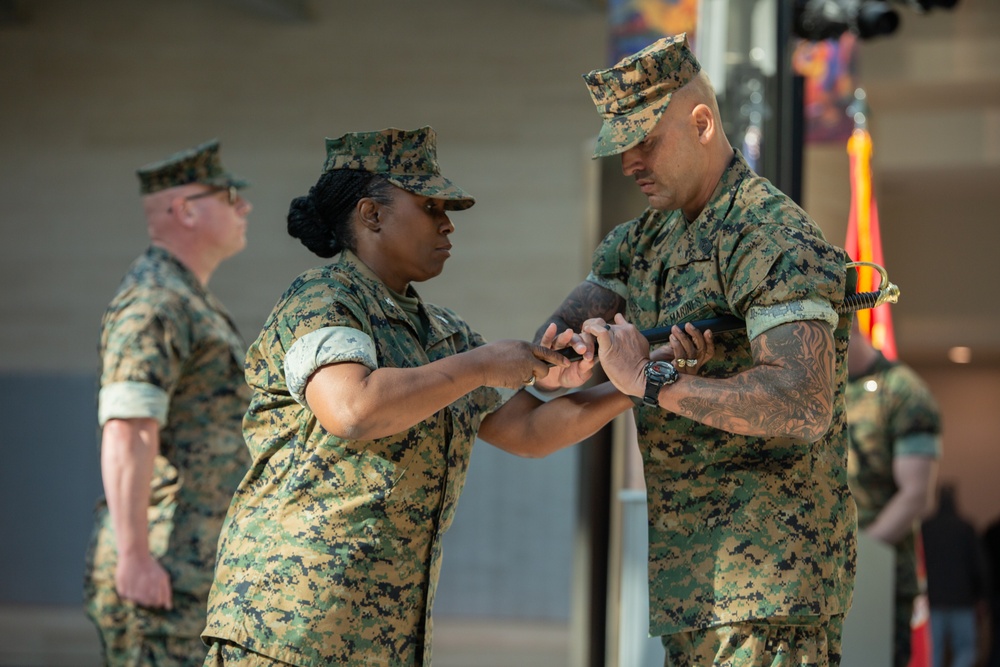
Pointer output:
x,y
690,348
143,580
623,352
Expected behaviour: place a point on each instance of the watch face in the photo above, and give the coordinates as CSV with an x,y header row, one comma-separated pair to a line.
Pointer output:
x,y
662,372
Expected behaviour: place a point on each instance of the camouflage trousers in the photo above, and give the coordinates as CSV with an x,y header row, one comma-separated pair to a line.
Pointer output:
x,y
812,641
227,654
135,637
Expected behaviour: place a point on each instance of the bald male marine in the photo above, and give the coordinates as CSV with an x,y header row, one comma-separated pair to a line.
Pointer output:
x,y
743,436
171,405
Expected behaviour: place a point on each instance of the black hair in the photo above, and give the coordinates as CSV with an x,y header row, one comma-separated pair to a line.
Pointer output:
x,y
321,220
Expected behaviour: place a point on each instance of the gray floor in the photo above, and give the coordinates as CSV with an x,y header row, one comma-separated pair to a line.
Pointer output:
x,y
63,637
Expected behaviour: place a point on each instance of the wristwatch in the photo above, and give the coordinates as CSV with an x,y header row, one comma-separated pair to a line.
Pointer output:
x,y
658,373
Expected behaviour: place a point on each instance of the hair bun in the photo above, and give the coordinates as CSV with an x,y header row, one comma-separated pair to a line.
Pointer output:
x,y
306,224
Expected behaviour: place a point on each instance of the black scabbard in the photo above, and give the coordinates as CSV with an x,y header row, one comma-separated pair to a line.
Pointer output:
x,y
662,334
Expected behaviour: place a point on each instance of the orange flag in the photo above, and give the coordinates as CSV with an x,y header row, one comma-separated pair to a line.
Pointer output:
x,y
864,244
864,241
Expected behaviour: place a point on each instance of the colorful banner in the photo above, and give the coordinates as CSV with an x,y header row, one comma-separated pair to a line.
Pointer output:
x,y
635,24
829,68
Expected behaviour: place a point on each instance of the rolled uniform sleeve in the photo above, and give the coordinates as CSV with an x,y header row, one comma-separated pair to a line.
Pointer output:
x,y
762,318
919,444
132,400
147,343
329,345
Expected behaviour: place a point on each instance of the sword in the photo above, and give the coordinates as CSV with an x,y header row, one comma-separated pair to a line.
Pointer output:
x,y
886,293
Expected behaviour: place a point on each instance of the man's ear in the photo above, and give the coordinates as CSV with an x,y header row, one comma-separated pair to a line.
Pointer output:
x,y
369,212
182,212
705,121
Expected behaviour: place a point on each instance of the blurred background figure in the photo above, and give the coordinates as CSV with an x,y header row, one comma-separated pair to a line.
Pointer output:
x,y
171,407
991,550
895,443
956,582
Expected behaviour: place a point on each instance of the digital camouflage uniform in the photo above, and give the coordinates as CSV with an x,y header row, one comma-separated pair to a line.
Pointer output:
x,y
332,547
891,413
170,351
740,528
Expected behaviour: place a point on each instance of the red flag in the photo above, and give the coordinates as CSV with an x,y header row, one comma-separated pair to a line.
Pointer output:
x,y
864,244
920,640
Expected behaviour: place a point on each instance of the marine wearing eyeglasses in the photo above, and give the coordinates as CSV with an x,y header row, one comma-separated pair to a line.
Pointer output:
x,y
171,403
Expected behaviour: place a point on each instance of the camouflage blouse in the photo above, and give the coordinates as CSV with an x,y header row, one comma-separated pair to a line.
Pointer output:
x,y
739,527
891,413
332,547
170,351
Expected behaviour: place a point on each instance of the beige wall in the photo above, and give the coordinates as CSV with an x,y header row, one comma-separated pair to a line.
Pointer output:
x,y
92,90
970,406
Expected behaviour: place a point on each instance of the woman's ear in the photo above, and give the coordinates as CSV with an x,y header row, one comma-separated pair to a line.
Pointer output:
x,y
369,213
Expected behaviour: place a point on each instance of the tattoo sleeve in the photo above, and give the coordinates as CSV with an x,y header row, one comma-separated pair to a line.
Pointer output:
x,y
587,300
788,392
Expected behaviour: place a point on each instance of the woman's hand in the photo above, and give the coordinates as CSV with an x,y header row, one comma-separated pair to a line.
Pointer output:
x,y
576,373
515,363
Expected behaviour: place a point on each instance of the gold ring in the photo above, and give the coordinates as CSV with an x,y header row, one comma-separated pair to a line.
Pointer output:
x,y
530,381
692,362
680,363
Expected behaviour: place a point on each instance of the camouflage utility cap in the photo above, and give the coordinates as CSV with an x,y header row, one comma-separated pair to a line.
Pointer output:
x,y
407,158
632,95
200,164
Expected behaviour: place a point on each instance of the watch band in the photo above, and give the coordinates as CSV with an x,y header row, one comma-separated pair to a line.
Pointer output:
x,y
658,373
652,395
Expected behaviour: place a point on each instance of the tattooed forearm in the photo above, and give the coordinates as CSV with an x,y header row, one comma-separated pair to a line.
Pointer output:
x,y
789,391
587,300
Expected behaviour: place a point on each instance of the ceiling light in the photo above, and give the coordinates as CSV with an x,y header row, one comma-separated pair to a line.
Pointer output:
x,y
960,354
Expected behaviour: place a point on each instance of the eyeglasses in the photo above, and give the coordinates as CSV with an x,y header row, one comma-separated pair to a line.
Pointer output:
x,y
234,194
